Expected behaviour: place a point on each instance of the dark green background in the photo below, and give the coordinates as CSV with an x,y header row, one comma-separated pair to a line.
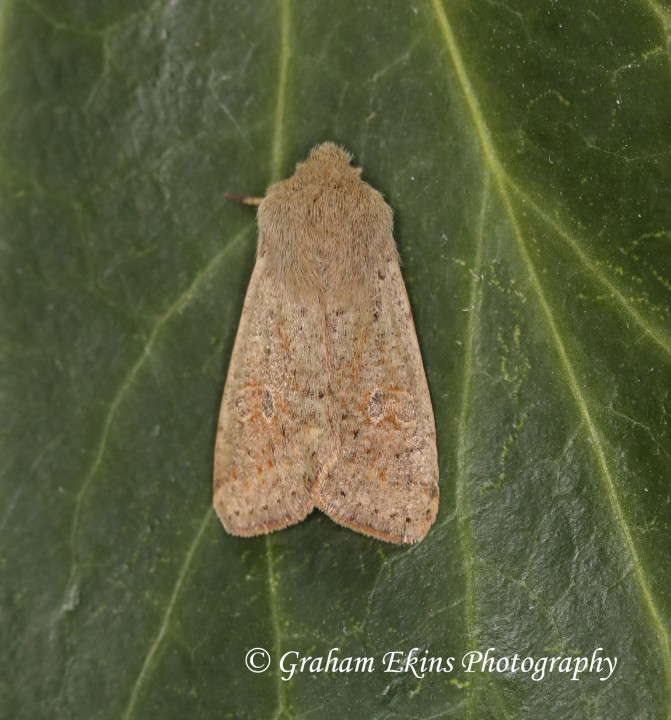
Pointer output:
x,y
525,149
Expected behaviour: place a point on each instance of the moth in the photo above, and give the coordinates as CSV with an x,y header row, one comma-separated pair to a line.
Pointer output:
x,y
326,403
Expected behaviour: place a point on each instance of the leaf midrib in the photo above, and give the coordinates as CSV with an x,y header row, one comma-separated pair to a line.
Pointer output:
x,y
272,578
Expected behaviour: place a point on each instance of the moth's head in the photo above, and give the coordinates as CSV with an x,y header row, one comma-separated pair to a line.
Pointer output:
x,y
326,161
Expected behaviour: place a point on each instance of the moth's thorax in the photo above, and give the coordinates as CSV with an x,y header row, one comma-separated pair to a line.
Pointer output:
x,y
324,230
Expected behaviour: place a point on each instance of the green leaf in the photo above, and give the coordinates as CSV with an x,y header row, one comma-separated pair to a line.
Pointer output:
x,y
524,147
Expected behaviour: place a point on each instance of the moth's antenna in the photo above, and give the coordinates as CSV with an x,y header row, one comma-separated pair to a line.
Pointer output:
x,y
244,199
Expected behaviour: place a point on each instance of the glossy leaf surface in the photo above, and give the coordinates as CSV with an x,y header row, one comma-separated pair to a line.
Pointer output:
x,y
524,147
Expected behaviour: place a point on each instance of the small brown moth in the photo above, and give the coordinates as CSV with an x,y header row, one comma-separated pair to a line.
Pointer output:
x,y
326,403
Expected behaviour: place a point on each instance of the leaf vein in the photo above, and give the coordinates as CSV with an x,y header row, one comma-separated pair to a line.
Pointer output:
x,y
167,617
276,166
460,481
285,52
275,620
183,299
659,338
499,175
